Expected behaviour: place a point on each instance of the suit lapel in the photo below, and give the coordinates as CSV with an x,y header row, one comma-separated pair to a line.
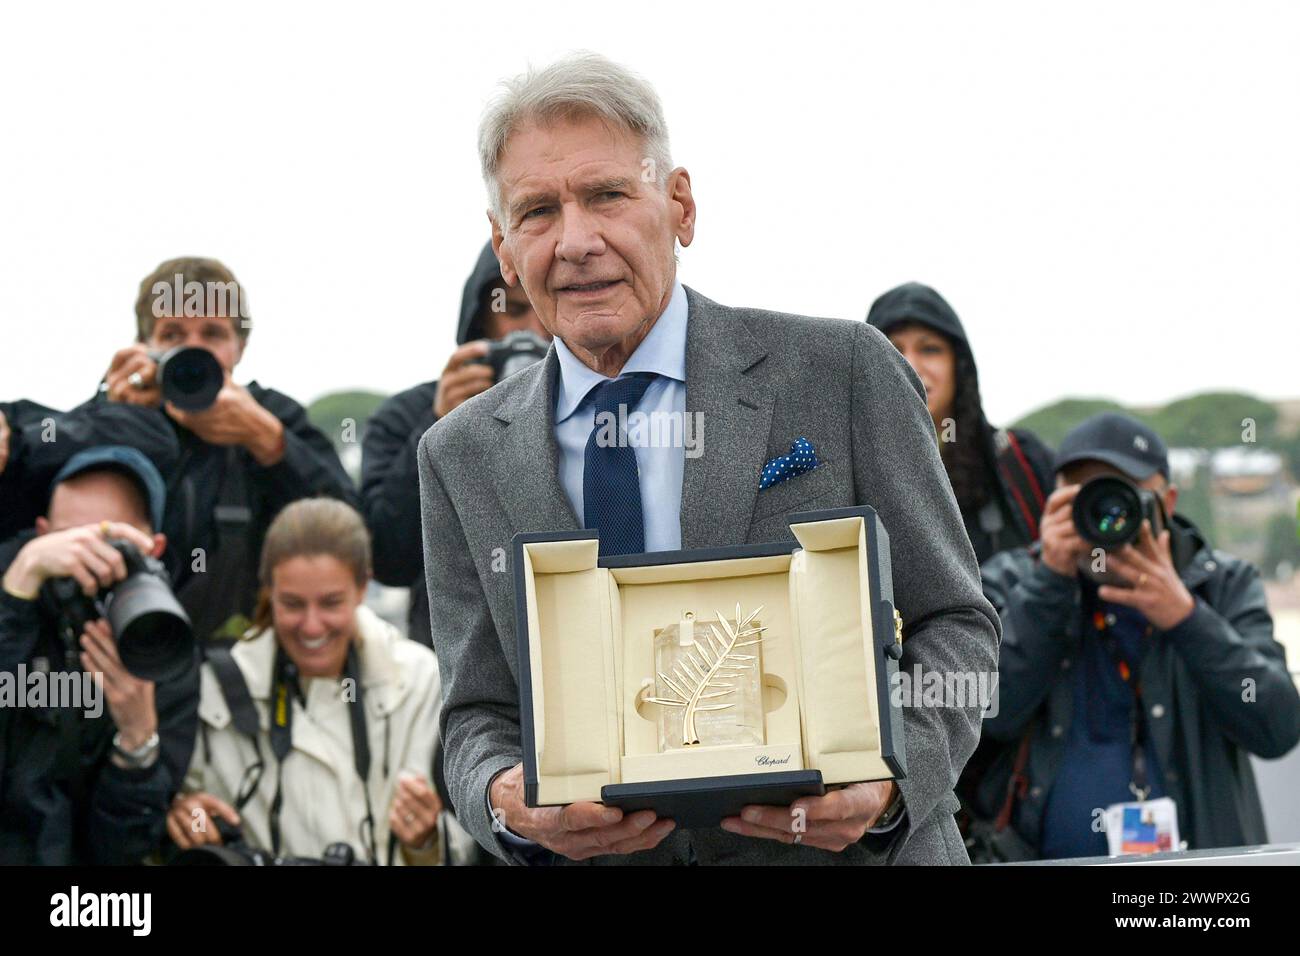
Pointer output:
x,y
726,385
525,461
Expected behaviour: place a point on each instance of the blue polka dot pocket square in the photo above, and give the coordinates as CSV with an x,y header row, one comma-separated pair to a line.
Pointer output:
x,y
802,458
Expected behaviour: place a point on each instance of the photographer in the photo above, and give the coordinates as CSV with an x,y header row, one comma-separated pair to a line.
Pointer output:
x,y
1130,673
345,753
76,785
244,455
390,484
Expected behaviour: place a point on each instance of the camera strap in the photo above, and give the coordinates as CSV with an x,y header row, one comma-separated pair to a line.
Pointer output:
x,y
244,717
286,682
1019,479
228,587
1139,784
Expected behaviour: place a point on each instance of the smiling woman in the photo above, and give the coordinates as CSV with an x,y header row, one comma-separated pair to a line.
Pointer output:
x,y
321,676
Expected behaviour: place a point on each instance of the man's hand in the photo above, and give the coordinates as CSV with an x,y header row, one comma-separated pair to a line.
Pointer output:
x,y
1156,589
142,390
235,418
414,817
82,553
1062,543
190,824
4,442
130,700
578,831
831,822
462,379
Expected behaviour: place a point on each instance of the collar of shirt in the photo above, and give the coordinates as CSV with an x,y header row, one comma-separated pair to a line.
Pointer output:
x,y
662,351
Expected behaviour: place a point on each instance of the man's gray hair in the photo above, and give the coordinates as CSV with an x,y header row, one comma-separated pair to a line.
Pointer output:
x,y
581,84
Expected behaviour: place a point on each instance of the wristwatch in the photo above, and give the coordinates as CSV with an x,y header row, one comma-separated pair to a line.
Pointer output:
x,y
143,757
891,813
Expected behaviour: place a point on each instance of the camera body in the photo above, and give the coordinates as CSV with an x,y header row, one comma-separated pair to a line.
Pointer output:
x,y
190,377
236,851
1109,510
514,353
153,632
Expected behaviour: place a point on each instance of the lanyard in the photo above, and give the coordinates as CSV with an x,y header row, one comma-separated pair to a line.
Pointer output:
x,y
1138,784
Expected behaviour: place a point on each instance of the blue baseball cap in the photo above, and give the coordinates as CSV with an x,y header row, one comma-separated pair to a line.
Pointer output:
x,y
120,458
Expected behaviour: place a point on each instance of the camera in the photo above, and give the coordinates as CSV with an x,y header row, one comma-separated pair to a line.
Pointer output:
x,y
153,632
236,851
190,377
514,353
1109,510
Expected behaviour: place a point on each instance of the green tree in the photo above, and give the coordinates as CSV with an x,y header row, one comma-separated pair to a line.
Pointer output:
x,y
1215,420
331,412
1051,422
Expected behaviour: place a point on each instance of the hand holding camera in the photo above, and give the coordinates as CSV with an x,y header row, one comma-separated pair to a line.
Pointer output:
x,y
1061,541
130,700
1155,587
132,377
194,820
464,377
83,554
235,418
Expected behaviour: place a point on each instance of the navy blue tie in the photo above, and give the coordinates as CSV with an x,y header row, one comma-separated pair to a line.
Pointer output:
x,y
611,489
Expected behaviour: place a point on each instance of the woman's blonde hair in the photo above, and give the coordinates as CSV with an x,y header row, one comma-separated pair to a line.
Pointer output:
x,y
310,527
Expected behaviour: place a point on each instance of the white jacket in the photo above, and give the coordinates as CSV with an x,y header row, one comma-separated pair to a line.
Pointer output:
x,y
323,800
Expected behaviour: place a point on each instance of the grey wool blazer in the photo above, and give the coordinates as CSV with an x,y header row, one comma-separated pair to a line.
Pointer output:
x,y
761,380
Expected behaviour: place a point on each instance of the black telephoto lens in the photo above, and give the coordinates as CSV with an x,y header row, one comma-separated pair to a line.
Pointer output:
x,y
153,632
191,377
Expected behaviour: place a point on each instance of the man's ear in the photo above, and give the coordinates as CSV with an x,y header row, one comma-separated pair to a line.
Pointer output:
x,y
504,258
42,525
159,545
1171,499
679,192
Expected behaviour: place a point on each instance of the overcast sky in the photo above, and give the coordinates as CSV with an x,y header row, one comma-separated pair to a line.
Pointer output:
x,y
1106,192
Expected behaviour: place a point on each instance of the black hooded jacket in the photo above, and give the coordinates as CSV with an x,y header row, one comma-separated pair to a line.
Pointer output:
x,y
1009,517
390,483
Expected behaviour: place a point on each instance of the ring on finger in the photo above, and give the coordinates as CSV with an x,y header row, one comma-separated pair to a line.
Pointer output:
x,y
136,381
1142,580
104,529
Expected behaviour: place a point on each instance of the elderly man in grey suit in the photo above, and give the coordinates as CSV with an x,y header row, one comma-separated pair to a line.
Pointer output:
x,y
586,211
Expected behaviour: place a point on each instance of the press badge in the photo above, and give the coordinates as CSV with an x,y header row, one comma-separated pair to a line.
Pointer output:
x,y
1149,826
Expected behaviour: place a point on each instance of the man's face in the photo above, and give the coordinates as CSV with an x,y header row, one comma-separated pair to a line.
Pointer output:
x,y
94,497
507,310
589,240
217,335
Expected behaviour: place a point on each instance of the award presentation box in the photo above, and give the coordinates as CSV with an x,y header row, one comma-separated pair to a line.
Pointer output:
x,y
696,682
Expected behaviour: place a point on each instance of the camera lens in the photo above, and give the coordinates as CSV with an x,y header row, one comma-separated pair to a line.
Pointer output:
x,y
1108,511
191,378
154,636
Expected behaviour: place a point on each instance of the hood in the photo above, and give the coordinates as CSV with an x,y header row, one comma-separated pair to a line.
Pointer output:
x,y
487,273
914,302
